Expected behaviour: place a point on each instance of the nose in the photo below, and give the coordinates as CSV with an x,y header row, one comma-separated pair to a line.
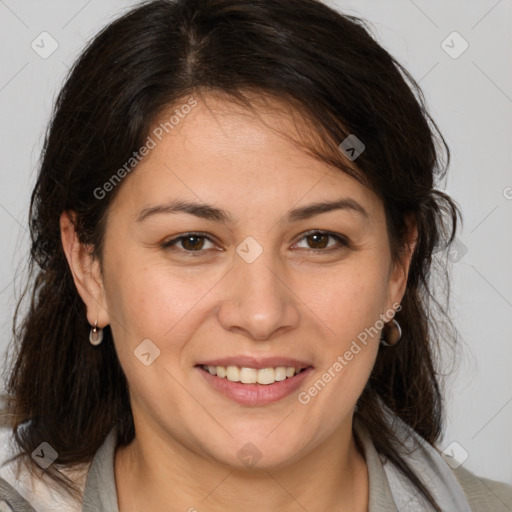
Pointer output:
x,y
259,303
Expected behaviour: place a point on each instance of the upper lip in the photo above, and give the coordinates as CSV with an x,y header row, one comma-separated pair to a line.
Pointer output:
x,y
255,362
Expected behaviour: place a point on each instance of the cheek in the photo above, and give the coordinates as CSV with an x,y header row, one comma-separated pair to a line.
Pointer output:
x,y
154,301
348,300
149,302
349,349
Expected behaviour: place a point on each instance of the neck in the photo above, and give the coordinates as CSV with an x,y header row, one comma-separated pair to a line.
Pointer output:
x,y
156,473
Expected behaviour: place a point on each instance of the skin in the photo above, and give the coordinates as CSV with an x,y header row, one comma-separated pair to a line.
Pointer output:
x,y
291,301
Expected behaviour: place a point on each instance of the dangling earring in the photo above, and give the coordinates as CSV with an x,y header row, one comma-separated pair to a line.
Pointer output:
x,y
393,334
96,335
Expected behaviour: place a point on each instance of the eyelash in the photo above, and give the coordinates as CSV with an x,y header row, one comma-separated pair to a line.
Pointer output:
x,y
343,241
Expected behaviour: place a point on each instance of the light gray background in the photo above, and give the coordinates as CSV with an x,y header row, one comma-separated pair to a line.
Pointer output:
x,y
471,99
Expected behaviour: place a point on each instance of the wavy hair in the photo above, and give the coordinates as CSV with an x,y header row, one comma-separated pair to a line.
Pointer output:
x,y
328,68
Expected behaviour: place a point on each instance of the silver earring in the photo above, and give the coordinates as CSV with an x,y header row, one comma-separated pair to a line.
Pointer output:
x,y
393,337
96,335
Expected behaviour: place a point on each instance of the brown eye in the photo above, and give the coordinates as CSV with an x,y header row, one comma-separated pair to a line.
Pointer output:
x,y
318,241
190,242
323,241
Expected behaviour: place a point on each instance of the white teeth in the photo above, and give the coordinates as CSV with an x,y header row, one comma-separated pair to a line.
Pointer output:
x,y
266,376
247,375
280,373
233,373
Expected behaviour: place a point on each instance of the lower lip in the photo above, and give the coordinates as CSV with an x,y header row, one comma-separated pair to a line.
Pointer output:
x,y
256,394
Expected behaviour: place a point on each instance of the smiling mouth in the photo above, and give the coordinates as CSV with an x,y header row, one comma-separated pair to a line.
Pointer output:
x,y
245,375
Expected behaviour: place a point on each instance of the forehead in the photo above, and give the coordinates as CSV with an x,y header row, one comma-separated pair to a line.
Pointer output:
x,y
223,151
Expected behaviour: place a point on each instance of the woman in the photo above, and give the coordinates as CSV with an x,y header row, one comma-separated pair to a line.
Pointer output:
x,y
232,232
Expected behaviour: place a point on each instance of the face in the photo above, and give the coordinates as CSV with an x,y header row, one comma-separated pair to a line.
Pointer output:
x,y
218,254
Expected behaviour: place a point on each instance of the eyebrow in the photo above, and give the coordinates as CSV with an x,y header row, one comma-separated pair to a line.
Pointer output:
x,y
209,212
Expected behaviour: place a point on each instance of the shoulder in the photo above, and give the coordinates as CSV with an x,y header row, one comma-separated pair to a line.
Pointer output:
x,y
484,494
11,492
22,489
455,485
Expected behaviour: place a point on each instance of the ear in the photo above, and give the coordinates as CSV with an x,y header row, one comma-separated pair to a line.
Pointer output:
x,y
400,269
86,271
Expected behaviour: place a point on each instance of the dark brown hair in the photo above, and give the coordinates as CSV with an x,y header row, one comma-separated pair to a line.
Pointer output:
x,y
327,67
